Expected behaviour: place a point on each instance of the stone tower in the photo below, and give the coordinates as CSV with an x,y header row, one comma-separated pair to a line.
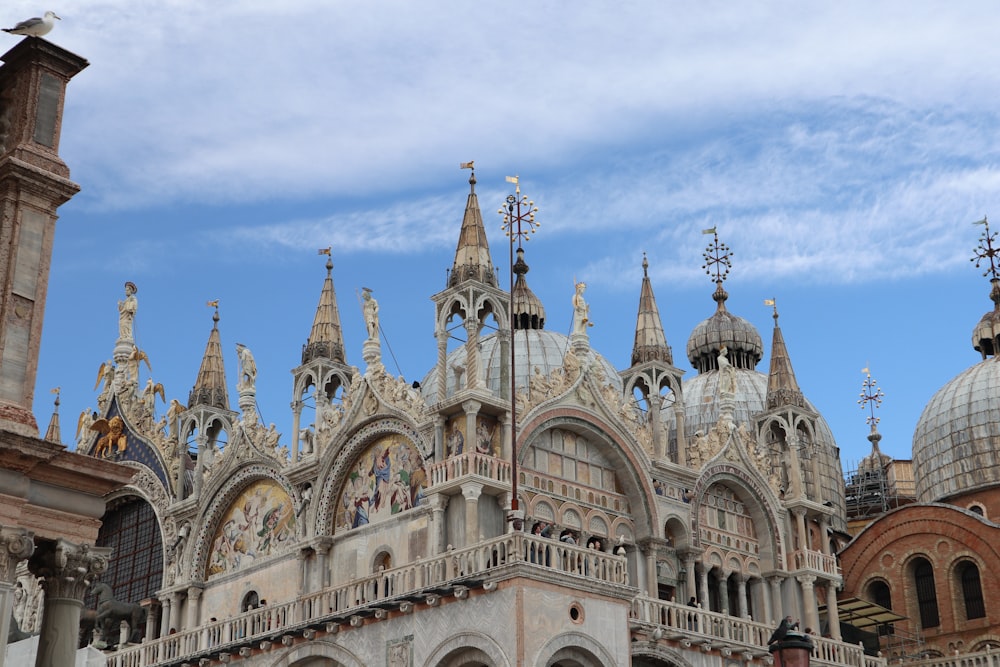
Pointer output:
x,y
34,182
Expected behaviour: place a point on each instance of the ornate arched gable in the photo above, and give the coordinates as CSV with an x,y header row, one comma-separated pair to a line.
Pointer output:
x,y
139,452
253,516
758,499
629,467
362,466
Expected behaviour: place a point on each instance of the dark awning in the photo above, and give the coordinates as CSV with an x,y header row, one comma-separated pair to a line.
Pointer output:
x,y
863,614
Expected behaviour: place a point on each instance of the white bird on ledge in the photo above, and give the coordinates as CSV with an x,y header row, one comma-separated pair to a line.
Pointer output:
x,y
34,27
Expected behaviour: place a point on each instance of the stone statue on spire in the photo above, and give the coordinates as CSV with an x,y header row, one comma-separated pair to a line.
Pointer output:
x,y
248,368
126,312
370,307
581,311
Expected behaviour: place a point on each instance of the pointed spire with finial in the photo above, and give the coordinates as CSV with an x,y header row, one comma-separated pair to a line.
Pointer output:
x,y
52,433
210,387
871,398
472,256
326,339
782,387
986,335
650,341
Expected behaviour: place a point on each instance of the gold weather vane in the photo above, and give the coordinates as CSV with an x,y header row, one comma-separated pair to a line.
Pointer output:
x,y
325,251
718,258
871,397
213,304
985,250
471,164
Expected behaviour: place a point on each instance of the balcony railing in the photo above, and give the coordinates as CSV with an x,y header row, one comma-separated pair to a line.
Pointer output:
x,y
806,559
364,595
470,463
712,630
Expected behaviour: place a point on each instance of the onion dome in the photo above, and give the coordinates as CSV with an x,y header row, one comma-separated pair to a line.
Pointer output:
x,y
955,442
741,338
529,313
534,348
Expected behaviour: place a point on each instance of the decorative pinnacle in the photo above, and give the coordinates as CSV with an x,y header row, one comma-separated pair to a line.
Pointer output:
x,y
328,251
57,391
774,304
518,215
471,164
871,396
214,304
718,257
985,250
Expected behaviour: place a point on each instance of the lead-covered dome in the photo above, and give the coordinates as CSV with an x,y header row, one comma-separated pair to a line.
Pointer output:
x,y
742,339
534,348
956,444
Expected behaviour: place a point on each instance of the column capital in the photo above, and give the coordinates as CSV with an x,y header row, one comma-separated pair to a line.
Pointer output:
x,y
437,501
16,544
807,580
67,569
472,490
194,592
471,407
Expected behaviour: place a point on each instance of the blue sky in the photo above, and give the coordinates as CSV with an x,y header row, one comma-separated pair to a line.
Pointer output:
x,y
841,151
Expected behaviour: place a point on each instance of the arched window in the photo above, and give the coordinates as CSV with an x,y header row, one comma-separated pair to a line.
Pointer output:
x,y
972,590
977,509
923,578
250,601
879,593
135,570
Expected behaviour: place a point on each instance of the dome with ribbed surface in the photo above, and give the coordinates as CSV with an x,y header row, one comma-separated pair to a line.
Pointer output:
x,y
742,339
536,348
955,444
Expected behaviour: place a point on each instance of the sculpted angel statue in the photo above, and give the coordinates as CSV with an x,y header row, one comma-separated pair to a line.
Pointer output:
x,y
126,311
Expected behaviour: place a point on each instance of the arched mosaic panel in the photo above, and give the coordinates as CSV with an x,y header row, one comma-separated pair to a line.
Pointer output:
x,y
258,523
388,478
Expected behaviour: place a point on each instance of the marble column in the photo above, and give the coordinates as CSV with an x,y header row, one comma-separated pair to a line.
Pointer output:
x,y
437,502
832,613
809,609
471,491
16,544
152,607
321,579
66,570
471,409
175,611
723,593
703,586
296,422
193,606
165,612
689,566
742,588
777,606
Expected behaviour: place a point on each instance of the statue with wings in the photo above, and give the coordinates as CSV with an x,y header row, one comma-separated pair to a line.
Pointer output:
x,y
149,397
132,365
105,374
113,435
87,417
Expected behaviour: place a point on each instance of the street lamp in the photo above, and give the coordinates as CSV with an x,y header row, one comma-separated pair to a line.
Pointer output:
x,y
518,223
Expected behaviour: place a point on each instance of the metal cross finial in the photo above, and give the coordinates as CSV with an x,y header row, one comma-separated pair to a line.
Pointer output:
x,y
986,250
718,257
518,214
871,396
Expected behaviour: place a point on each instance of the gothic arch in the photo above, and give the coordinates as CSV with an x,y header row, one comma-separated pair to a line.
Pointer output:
x,y
334,472
654,655
456,650
635,485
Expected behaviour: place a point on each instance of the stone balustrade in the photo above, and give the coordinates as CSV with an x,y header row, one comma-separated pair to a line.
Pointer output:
x,y
362,596
805,559
470,463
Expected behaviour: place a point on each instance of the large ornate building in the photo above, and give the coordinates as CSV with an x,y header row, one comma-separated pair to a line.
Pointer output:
x,y
526,503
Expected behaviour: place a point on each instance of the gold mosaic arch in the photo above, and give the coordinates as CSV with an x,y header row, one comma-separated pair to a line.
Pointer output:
x,y
355,466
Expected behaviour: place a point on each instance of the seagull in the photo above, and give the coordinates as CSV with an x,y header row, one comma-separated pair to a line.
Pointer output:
x,y
35,27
